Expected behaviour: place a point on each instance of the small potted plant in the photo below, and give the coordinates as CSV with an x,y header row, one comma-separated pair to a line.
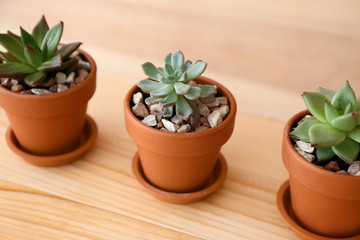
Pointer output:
x,y
320,150
44,91
179,121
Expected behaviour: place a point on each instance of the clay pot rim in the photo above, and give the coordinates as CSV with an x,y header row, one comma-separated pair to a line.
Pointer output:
x,y
299,158
30,97
222,89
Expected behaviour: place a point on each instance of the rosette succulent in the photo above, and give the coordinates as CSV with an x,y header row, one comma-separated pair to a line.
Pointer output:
x,y
33,57
169,86
334,127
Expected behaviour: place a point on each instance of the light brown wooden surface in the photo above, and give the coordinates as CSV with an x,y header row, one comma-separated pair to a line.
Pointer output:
x,y
266,52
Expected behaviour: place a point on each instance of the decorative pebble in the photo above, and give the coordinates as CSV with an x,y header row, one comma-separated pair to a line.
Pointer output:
x,y
84,65
354,168
208,99
307,156
53,88
201,128
39,91
169,125
82,74
215,103
155,108
222,100
332,166
137,97
184,128
306,147
342,172
192,83
164,129
176,119
6,83
70,77
27,92
224,110
203,110
60,78
61,87
214,118
140,110
150,120
17,88
14,82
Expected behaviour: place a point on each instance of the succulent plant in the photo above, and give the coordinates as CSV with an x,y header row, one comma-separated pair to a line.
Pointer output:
x,y
33,57
169,85
334,128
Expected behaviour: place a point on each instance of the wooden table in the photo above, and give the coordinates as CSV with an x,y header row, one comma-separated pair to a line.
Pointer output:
x,y
265,52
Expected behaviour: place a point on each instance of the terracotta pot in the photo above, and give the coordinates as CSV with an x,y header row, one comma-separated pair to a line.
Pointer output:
x,y
50,124
323,202
179,162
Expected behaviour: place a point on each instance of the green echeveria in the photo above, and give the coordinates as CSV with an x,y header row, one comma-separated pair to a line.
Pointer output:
x,y
169,85
334,128
32,57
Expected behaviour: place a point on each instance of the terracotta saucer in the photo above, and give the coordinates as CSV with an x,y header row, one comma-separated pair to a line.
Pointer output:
x,y
87,140
215,181
285,208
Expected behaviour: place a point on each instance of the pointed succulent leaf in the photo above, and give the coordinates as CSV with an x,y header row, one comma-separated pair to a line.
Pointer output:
x,y
150,100
177,74
33,56
169,70
44,51
196,69
68,49
162,79
302,130
324,153
330,112
27,39
149,85
355,134
151,71
167,59
13,46
183,78
34,79
183,109
8,57
52,39
40,30
181,88
358,105
177,60
14,69
315,103
194,93
349,108
169,100
207,90
347,150
346,122
343,97
326,92
324,135
15,36
163,91
67,65
52,63
172,79
186,65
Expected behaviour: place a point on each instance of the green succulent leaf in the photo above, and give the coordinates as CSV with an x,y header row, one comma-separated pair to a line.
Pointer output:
x,y
177,60
169,70
163,79
349,108
324,135
68,65
150,100
167,59
326,92
151,71
52,63
355,134
163,91
330,112
346,122
194,93
68,49
14,69
27,39
149,85
8,57
186,65
15,36
347,150
33,56
13,46
195,70
183,78
34,79
358,105
315,103
207,90
52,39
170,99
168,111
44,51
302,130
324,153
183,109
40,30
181,88
343,97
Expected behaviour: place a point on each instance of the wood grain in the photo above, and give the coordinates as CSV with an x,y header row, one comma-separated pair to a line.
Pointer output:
x,y
266,52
